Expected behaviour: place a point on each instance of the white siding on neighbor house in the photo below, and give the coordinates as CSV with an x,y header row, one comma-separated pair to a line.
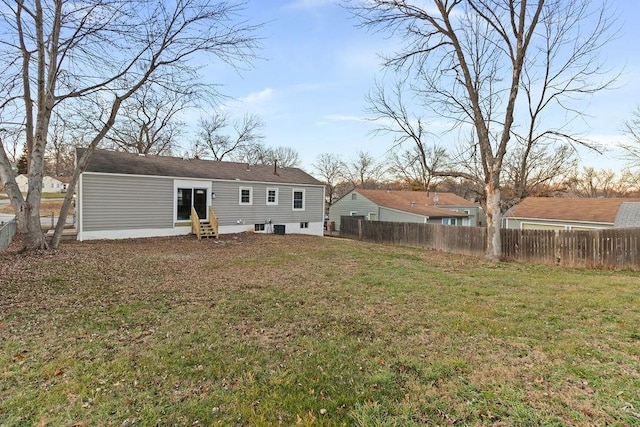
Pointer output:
x,y
51,185
230,212
361,206
121,202
23,183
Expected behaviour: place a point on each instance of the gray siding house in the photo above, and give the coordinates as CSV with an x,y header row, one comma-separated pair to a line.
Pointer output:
x,y
123,195
571,213
406,206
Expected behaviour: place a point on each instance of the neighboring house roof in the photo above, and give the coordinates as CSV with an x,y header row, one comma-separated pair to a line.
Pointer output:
x,y
417,202
63,179
133,164
569,209
628,215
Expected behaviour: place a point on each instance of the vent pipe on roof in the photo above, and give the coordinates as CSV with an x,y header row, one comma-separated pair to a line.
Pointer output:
x,y
275,167
247,167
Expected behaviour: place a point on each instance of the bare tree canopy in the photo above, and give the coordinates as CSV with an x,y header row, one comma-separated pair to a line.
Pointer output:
x,y
62,56
632,130
330,169
363,171
493,66
212,140
148,121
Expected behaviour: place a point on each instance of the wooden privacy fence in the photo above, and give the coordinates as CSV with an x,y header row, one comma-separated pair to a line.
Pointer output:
x,y
456,239
607,248
617,248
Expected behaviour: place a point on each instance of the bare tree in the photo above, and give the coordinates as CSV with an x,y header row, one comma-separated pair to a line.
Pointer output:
x,y
59,154
331,170
148,121
536,170
469,59
417,163
93,57
363,171
260,154
632,148
219,145
592,182
285,157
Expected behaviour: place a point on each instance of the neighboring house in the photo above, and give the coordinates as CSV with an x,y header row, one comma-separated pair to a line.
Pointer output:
x,y
49,184
65,180
23,183
122,195
550,213
406,206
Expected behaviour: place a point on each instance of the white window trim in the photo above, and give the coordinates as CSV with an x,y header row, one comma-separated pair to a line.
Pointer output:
x,y
293,194
267,198
250,196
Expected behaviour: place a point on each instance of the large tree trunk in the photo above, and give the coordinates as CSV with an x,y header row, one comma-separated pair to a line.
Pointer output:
x,y
494,244
34,237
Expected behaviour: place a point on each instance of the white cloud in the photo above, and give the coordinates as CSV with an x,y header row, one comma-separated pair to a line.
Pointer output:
x,y
257,98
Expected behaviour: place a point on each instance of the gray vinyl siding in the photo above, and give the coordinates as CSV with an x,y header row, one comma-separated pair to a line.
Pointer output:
x,y
117,202
361,205
229,211
397,216
549,224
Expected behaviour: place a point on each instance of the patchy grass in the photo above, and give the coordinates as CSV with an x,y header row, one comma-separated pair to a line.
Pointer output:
x,y
47,207
268,330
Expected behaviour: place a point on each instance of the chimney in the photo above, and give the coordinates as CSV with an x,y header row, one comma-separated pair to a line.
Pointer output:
x,y
247,167
275,167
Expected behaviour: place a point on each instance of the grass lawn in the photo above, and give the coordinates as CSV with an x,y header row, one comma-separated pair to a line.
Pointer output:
x,y
293,330
47,207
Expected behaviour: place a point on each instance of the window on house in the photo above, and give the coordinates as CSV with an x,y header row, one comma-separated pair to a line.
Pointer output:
x,y
298,200
272,196
246,195
353,196
450,221
353,213
258,227
188,198
304,225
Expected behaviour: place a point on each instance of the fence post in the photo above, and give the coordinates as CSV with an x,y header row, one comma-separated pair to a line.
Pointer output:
x,y
359,229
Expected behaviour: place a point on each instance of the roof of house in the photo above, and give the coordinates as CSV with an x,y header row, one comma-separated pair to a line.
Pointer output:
x,y
628,215
116,162
569,209
420,203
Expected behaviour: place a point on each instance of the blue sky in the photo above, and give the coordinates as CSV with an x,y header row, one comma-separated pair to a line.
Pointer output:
x,y
317,68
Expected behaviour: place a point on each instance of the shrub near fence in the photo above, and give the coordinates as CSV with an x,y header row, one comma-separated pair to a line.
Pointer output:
x,y
606,248
7,231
